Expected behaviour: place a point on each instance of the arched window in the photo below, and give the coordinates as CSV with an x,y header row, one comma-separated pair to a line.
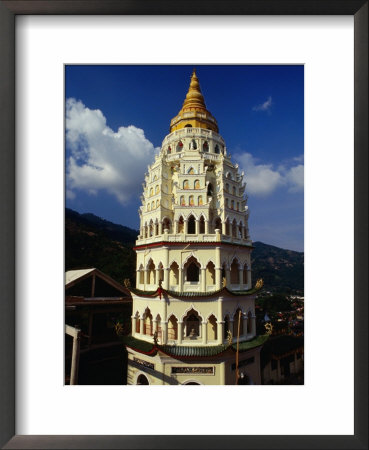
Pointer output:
x,y
161,272
227,187
179,146
191,200
151,229
148,323
216,150
226,203
249,319
186,184
191,171
142,275
156,227
180,225
212,328
137,322
238,206
227,227
232,204
142,380
157,189
218,224
193,145
199,201
146,231
245,277
174,274
240,230
210,190
151,273
152,205
234,190
182,201
169,151
235,275
191,223
192,324
192,269
234,228
158,325
197,184
172,328
188,125
157,203
210,274
148,207
166,224
151,192
237,320
202,225
205,147
226,326
224,271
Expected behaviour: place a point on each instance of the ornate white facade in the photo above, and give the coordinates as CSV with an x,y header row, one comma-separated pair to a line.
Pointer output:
x,y
193,283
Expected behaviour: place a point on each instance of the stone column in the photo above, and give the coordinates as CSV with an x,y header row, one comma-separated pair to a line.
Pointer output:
x,y
180,332
141,325
197,227
203,279
180,281
249,284
228,276
204,333
176,227
206,227
164,330
155,323
147,276
185,227
220,332
166,232
240,276
157,277
166,278
133,331
224,228
217,235
253,325
218,269
245,330
160,228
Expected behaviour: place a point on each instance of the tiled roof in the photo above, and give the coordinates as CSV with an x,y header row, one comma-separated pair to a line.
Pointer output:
x,y
176,294
182,351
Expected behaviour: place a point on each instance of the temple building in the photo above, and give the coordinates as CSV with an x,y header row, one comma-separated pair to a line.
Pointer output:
x,y
193,318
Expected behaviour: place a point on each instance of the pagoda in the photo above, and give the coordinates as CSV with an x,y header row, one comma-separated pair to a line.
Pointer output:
x,y
193,318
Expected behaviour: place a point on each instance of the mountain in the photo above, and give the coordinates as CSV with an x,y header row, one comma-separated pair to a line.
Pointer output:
x,y
94,242
282,270
91,241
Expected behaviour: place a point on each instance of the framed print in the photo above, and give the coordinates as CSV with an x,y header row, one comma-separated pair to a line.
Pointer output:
x,y
37,40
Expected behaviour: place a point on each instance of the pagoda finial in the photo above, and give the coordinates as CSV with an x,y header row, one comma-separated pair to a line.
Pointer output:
x,y
194,98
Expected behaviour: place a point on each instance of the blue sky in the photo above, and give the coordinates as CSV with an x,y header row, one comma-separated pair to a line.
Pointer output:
x,y
117,116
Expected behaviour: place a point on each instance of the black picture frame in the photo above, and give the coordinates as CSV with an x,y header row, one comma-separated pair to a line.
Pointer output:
x,y
8,12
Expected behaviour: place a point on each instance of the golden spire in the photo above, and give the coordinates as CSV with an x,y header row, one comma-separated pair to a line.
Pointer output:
x,y
194,98
194,112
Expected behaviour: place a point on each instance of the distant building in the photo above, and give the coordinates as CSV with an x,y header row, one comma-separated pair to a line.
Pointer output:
x,y
94,303
193,294
282,360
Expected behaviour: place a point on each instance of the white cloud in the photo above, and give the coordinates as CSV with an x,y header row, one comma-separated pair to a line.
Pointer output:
x,y
102,159
263,179
295,178
263,106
